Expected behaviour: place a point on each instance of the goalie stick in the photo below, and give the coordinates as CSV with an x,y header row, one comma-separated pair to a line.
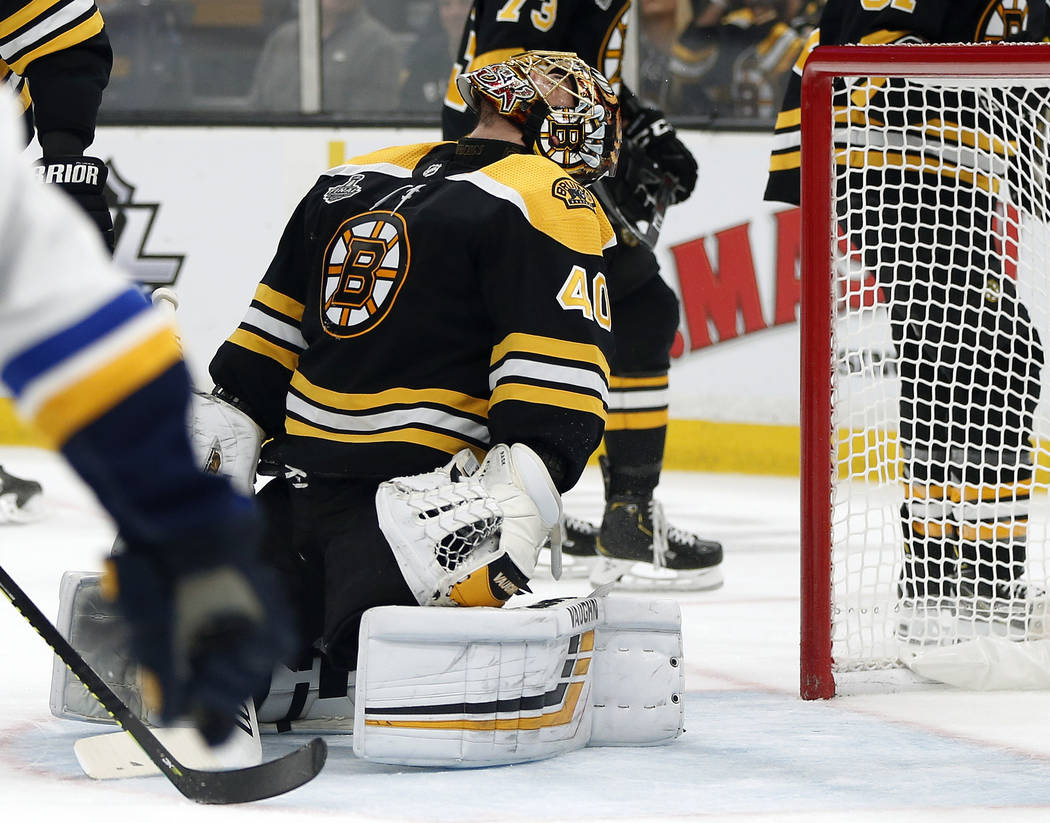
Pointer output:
x,y
236,786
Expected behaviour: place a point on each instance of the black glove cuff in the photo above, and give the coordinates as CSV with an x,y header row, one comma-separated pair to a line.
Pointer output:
x,y
83,179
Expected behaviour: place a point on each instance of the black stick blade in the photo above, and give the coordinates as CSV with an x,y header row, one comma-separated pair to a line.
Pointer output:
x,y
267,779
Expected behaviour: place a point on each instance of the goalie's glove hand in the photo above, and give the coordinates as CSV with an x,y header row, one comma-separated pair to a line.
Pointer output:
x,y
83,179
207,636
650,131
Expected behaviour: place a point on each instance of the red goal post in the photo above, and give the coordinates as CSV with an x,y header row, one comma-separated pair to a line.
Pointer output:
x,y
821,246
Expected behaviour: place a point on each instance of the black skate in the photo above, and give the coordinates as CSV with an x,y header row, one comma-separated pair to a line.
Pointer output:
x,y
641,552
19,499
1012,609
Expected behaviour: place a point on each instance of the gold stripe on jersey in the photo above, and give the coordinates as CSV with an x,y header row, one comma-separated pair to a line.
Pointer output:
x,y
451,400
1018,490
544,396
884,36
28,13
528,182
550,347
409,434
790,119
280,303
406,157
78,34
785,162
953,133
880,158
659,381
637,403
575,356
85,401
260,345
632,421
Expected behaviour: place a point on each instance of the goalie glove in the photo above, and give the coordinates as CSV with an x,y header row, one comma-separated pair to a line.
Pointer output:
x,y
83,179
471,537
225,439
648,130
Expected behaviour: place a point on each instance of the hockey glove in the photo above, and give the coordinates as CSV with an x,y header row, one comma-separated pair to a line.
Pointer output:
x,y
649,130
83,179
208,635
470,536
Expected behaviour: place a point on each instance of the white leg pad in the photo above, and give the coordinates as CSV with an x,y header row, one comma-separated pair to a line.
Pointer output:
x,y
483,686
92,626
639,683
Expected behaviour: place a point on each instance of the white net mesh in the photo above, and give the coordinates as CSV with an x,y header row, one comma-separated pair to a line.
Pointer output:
x,y
941,315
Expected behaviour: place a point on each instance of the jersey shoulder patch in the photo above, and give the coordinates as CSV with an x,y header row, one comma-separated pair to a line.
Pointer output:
x,y
554,203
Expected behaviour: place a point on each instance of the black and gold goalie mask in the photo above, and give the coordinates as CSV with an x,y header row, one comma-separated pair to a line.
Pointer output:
x,y
568,112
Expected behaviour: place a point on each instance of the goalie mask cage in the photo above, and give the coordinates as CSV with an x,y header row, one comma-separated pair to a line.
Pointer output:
x,y
961,133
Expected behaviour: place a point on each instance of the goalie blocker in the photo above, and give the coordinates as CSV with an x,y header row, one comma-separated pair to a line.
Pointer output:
x,y
456,687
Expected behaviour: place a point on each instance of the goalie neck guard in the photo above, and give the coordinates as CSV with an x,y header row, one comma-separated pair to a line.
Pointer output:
x,y
579,128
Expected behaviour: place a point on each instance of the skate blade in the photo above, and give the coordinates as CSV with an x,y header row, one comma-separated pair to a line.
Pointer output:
x,y
637,576
10,512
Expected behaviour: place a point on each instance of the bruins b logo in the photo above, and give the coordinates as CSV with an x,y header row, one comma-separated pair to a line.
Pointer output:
x,y
365,265
1003,19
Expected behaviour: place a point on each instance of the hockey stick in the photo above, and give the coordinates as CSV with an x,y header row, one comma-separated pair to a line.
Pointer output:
x,y
236,786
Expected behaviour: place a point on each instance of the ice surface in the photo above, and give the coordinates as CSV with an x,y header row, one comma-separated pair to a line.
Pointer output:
x,y
753,751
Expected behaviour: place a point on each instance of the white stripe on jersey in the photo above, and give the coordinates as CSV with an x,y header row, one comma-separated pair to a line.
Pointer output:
x,y
399,418
572,378
255,319
627,400
46,26
382,168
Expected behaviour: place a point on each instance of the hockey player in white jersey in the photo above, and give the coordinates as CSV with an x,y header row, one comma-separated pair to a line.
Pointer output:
x,y
99,372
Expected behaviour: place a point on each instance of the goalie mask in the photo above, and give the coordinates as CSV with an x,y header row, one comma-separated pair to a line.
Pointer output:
x,y
567,111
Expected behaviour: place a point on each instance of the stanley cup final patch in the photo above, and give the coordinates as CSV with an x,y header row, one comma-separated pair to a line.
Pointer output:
x,y
348,188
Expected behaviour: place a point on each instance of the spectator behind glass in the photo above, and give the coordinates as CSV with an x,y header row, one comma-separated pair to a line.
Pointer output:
x,y
660,21
361,63
431,56
738,67
151,69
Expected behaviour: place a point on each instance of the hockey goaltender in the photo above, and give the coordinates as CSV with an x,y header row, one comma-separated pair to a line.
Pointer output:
x,y
438,314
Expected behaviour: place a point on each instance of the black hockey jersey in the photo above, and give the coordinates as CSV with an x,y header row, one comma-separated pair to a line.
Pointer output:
x,y
424,299
900,21
496,29
56,57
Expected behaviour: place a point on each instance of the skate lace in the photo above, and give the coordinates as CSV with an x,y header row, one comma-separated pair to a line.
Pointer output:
x,y
575,524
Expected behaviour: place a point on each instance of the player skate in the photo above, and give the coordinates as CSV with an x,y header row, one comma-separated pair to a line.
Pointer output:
x,y
20,499
1012,609
636,548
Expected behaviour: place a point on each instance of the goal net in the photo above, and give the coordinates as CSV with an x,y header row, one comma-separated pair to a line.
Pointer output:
x,y
926,313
